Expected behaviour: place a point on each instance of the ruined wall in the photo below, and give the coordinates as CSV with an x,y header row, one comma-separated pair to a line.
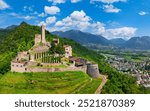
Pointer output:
x,y
38,38
68,51
93,70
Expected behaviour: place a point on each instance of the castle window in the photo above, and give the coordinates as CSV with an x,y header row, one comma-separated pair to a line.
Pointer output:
x,y
21,66
13,65
16,65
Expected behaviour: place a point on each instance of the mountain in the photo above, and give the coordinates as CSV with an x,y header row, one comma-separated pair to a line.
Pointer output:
x,y
4,32
11,27
142,43
118,41
82,37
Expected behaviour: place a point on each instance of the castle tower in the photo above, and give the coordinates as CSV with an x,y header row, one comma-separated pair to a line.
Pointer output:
x,y
43,34
93,70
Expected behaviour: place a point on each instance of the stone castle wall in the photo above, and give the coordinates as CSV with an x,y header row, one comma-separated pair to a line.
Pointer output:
x,y
18,67
37,69
91,69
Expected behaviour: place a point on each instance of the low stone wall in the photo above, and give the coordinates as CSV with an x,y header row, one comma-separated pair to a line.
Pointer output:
x,y
37,69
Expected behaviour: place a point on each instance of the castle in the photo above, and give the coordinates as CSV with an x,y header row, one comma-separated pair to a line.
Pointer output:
x,y
38,59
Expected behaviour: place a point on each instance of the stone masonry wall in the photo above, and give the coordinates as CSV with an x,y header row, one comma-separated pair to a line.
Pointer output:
x,y
37,69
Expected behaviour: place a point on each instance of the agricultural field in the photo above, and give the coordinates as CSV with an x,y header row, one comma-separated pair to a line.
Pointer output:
x,y
48,83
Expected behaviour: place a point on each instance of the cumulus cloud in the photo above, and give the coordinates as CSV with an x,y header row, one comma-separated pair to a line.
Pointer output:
x,y
79,20
49,21
142,13
79,16
108,1
75,1
124,32
76,20
3,5
57,1
111,9
51,10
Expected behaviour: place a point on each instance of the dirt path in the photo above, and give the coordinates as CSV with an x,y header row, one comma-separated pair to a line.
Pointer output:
x,y
104,80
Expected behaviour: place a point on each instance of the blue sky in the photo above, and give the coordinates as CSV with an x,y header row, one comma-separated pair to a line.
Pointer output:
x,y
110,18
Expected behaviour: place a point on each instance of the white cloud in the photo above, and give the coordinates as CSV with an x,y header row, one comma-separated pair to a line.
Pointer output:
x,y
108,1
142,13
111,9
51,10
75,1
42,14
57,1
28,8
76,20
49,21
79,20
80,16
108,5
124,32
27,17
3,5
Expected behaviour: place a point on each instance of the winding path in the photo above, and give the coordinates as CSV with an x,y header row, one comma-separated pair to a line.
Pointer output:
x,y
104,80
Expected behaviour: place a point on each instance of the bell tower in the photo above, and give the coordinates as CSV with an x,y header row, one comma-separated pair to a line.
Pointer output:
x,y
43,34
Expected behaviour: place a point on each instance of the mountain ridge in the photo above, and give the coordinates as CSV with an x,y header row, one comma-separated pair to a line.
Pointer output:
x,y
82,37
85,38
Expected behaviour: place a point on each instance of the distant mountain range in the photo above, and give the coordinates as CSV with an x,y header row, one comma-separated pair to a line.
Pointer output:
x,y
84,38
4,32
88,39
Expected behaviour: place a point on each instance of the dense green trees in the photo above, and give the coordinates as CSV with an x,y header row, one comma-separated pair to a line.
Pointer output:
x,y
56,48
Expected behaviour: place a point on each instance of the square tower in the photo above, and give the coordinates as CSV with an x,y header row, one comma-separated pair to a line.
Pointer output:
x,y
43,34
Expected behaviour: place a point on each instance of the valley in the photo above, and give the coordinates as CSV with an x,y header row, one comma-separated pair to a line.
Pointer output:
x,y
130,62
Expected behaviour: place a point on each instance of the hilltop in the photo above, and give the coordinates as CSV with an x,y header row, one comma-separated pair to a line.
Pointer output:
x,y
22,38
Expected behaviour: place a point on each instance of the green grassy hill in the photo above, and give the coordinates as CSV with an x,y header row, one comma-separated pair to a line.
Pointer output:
x,y
48,83
22,38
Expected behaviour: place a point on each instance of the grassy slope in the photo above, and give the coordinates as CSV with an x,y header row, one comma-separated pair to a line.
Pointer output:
x,y
48,83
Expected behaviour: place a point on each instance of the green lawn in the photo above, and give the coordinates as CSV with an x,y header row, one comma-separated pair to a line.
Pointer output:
x,y
48,83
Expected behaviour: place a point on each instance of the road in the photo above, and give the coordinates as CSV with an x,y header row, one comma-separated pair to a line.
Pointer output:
x,y
104,80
